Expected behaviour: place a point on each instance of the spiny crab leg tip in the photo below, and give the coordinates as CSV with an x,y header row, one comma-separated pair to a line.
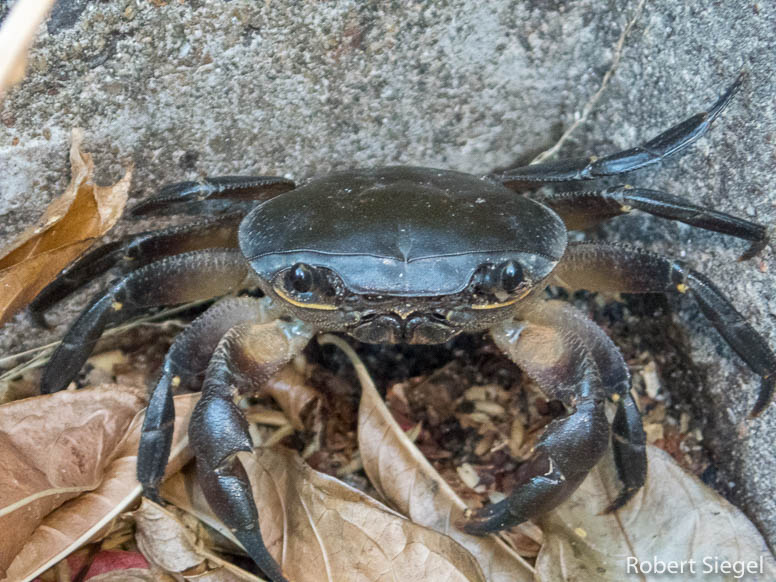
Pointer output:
x,y
254,545
726,97
765,397
742,76
38,318
475,527
735,85
757,246
620,502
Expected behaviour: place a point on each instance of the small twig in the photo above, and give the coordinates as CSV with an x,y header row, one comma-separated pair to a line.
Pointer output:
x,y
41,353
277,436
16,38
594,99
261,415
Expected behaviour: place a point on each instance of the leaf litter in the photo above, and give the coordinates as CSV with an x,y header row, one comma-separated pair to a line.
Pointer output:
x,y
454,426
335,435
574,539
674,518
175,545
70,471
405,479
320,529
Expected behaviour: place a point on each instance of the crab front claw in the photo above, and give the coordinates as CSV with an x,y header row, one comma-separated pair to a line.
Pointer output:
x,y
573,361
246,357
569,448
184,369
223,478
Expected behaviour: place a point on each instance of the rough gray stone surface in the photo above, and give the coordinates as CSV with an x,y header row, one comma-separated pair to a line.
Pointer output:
x,y
296,88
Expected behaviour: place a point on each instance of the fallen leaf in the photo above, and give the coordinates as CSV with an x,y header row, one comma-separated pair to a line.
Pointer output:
x,y
129,575
52,449
673,518
16,36
98,566
164,540
70,461
170,545
69,226
403,476
293,394
320,529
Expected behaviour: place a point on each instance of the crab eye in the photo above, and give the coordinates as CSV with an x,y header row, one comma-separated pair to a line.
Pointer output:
x,y
301,278
511,276
310,287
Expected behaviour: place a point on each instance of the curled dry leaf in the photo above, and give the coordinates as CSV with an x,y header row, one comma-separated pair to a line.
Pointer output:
x,y
293,394
69,468
320,529
674,517
172,546
403,476
69,226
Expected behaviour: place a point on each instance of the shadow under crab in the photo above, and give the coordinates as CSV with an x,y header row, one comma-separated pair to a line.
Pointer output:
x,y
403,255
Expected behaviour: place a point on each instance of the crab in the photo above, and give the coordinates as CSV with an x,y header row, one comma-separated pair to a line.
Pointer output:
x,y
403,254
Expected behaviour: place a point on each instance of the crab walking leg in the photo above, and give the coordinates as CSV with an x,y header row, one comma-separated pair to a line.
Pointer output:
x,y
230,188
177,279
184,367
74,276
614,268
581,210
570,446
135,251
668,143
628,438
246,357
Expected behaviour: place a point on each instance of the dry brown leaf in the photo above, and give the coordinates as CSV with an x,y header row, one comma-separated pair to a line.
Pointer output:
x,y
16,36
53,448
80,450
335,532
169,544
403,476
164,540
674,518
69,226
292,393
91,564
129,575
218,575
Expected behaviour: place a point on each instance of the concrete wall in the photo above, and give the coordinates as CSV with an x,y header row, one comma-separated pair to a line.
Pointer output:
x,y
301,88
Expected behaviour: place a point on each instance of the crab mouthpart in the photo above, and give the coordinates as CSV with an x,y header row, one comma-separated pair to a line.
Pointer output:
x,y
414,328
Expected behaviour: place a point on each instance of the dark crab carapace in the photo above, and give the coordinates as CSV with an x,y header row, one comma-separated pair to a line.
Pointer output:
x,y
402,254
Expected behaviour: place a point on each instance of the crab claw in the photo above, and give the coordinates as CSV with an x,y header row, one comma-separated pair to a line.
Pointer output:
x,y
568,449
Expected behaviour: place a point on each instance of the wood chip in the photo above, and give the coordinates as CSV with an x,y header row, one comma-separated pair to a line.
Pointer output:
x,y
468,475
651,379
